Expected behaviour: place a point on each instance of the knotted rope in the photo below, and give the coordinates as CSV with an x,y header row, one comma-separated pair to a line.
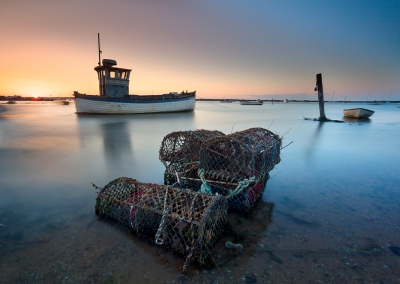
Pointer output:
x,y
205,188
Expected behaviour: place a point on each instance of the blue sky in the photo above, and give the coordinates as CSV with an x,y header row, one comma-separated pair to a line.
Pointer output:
x,y
219,48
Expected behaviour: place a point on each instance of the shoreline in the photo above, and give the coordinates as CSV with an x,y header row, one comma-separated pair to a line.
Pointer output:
x,y
33,99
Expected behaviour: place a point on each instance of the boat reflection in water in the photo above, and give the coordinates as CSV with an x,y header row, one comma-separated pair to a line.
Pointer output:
x,y
355,120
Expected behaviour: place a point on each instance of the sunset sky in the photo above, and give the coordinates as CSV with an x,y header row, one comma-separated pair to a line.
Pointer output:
x,y
221,48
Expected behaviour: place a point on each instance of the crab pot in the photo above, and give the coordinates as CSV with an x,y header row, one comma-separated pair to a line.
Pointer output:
x,y
119,200
179,152
237,166
186,221
240,155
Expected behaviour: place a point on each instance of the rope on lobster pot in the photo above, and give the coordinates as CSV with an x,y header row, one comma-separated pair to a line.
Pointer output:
x,y
159,240
193,246
242,185
205,188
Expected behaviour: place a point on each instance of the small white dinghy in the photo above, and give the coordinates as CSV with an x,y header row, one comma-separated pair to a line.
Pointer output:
x,y
358,112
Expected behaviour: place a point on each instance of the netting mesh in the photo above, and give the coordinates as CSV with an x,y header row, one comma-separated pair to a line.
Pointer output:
x,y
236,166
179,152
241,154
186,221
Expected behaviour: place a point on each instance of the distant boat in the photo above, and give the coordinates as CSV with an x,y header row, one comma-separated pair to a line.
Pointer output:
x,y
11,102
62,102
114,95
358,113
226,101
257,102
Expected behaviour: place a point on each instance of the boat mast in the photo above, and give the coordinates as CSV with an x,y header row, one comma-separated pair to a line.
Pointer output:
x,y
98,43
100,71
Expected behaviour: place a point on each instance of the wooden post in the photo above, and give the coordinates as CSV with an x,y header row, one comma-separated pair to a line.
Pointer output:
x,y
320,97
322,116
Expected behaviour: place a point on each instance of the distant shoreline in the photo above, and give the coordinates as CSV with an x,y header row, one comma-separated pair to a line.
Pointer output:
x,y
40,99
33,99
297,101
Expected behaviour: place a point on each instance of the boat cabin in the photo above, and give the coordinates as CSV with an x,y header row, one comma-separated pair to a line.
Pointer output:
x,y
113,81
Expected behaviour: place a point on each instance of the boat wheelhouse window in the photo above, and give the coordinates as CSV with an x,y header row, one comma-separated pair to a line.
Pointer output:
x,y
112,73
121,74
102,74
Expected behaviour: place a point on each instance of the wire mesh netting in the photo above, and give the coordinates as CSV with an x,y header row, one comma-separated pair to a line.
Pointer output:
x,y
236,166
186,221
179,152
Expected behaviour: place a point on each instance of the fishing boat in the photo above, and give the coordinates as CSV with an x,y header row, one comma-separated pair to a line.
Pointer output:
x,y
114,95
257,102
358,112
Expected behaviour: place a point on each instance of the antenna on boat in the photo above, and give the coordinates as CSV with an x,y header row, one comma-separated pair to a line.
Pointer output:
x,y
98,43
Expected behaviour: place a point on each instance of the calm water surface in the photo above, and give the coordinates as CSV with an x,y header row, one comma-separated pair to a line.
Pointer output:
x,y
330,211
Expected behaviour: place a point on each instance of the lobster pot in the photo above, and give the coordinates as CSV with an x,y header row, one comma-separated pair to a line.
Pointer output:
x,y
241,155
187,221
179,152
121,199
237,166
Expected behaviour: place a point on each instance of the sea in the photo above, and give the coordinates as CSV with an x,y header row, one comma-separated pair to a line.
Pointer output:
x,y
330,211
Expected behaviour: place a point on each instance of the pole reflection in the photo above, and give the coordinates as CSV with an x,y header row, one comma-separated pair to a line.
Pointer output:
x,y
309,151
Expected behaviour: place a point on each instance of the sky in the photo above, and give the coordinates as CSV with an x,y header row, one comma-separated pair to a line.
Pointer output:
x,y
222,49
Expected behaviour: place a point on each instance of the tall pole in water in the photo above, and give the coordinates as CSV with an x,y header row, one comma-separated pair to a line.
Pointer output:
x,y
320,97
320,90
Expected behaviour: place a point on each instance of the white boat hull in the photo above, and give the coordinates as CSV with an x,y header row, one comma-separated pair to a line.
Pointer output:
x,y
358,113
88,106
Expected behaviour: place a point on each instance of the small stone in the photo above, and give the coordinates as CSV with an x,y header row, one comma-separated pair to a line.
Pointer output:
x,y
250,278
